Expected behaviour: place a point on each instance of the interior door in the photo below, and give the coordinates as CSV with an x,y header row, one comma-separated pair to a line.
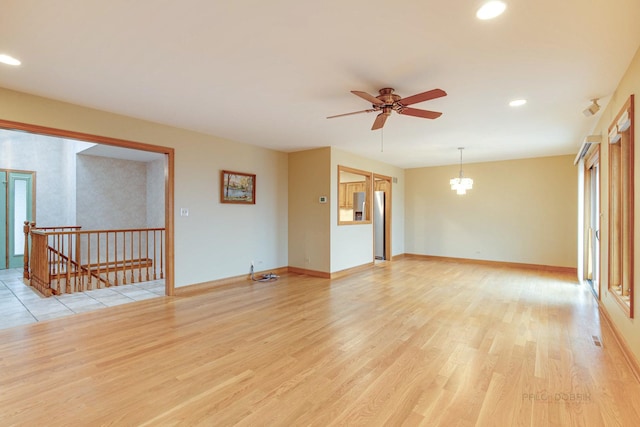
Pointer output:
x,y
16,207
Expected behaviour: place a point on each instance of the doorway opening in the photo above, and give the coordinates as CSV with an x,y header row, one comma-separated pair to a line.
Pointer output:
x,y
167,154
16,207
592,222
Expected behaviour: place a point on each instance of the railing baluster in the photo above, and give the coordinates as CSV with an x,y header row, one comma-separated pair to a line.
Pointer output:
x,y
154,254
107,264
139,255
125,260
162,253
146,257
50,259
84,260
58,262
131,252
115,254
124,257
61,285
73,254
76,265
67,285
98,265
88,263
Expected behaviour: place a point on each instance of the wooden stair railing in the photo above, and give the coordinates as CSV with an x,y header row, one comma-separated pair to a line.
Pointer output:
x,y
78,260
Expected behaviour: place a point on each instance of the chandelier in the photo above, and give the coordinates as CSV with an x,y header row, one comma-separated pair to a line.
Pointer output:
x,y
460,183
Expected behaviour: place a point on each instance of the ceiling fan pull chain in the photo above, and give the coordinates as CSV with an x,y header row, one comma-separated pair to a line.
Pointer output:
x,y
382,140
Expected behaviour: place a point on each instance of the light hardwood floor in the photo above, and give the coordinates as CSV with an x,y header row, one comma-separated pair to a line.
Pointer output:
x,y
412,342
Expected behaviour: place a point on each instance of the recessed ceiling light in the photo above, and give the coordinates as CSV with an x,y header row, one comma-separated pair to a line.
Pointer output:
x,y
491,9
517,102
9,60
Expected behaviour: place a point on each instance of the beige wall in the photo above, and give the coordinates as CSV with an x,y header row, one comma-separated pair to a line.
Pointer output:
x,y
316,241
309,234
520,211
215,241
630,84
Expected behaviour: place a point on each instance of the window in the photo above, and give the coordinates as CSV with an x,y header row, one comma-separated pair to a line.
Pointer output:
x,y
621,208
354,196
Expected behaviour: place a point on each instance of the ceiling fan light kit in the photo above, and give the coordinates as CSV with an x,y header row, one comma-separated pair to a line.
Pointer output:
x,y
387,101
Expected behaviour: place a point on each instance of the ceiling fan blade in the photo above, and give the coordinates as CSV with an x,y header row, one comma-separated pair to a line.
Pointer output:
x,y
425,114
350,114
424,96
364,95
380,119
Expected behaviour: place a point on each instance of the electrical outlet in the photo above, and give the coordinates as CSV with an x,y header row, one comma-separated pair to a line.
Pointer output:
x,y
184,211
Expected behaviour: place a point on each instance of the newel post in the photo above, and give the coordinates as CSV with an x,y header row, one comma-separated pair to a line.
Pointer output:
x,y
27,233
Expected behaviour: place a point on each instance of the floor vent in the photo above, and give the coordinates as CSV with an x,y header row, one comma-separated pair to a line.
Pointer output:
x,y
596,340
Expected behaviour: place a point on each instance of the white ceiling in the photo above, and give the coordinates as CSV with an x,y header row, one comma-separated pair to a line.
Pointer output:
x,y
100,150
268,72
8,137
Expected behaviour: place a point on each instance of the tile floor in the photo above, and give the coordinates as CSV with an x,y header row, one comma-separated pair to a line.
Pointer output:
x,y
20,304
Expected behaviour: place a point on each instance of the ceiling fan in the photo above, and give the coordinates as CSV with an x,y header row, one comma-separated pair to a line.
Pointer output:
x,y
388,101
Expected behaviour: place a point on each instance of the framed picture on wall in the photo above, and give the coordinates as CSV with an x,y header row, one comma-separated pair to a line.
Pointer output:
x,y
237,187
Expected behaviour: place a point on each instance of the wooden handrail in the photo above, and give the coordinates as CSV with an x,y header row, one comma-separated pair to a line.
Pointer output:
x,y
60,228
119,230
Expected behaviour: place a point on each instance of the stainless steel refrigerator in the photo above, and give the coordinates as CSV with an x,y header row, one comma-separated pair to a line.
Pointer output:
x,y
378,224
